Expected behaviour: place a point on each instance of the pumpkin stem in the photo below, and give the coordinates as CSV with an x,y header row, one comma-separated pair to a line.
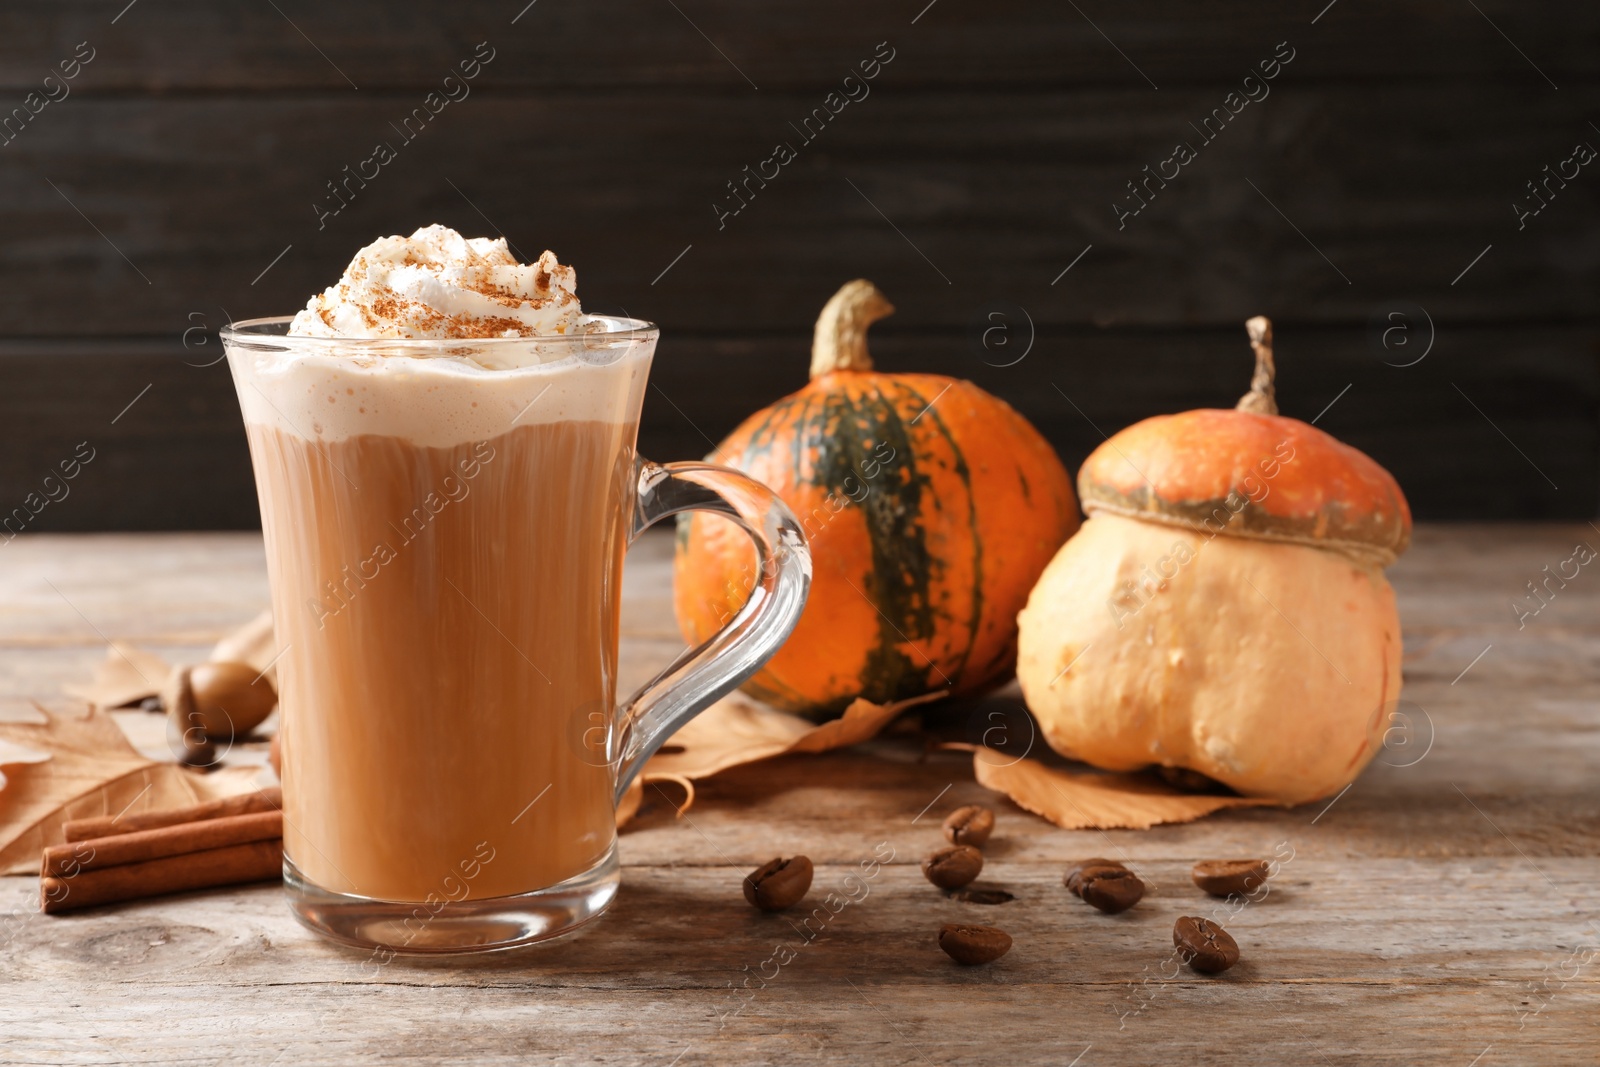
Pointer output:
x,y
1262,399
840,341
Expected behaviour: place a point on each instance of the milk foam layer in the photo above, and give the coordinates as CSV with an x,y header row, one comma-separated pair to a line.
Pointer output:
x,y
438,284
360,359
325,392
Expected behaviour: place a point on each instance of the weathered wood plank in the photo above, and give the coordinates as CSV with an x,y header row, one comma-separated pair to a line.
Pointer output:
x,y
996,141
1437,912
190,46
999,191
1328,967
1538,680
189,590
177,457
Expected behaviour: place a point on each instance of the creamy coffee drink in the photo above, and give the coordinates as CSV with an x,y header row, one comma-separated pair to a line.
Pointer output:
x,y
445,526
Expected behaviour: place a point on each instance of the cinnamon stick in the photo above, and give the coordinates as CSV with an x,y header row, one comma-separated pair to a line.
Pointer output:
x,y
270,799
252,861
74,857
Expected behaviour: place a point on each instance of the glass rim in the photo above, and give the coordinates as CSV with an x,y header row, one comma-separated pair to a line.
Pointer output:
x,y
273,330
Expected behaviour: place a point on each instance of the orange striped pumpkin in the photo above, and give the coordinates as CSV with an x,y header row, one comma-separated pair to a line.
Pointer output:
x,y
931,507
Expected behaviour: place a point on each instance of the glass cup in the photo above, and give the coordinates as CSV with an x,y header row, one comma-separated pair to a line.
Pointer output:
x,y
445,524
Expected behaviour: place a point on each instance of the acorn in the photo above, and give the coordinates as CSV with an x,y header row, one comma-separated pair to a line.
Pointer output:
x,y
213,703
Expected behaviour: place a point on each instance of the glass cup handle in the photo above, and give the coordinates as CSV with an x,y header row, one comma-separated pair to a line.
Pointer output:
x,y
702,675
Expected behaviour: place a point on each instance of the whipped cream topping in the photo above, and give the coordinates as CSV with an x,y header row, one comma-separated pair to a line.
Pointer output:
x,y
438,284
512,349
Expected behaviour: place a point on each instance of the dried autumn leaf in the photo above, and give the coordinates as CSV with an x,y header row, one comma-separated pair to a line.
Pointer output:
x,y
252,643
861,721
90,769
1081,800
628,805
633,798
737,730
126,676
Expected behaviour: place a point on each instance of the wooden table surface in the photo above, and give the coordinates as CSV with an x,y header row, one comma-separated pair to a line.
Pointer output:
x,y
1442,911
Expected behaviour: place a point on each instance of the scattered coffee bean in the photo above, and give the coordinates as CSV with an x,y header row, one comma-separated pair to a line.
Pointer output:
x,y
779,884
982,896
953,867
1204,946
1223,877
970,825
972,945
1074,876
1111,889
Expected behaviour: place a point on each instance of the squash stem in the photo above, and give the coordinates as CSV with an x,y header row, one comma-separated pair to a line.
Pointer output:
x,y
1262,399
840,341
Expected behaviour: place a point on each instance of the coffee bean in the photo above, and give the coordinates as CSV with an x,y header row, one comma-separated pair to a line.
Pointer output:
x,y
1223,877
953,867
1111,889
970,825
778,884
1204,946
1074,876
972,945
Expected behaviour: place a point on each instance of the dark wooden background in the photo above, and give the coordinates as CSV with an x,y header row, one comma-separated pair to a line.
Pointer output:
x,y
191,150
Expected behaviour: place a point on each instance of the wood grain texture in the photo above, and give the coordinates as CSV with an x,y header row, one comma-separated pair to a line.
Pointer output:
x,y
1441,910
175,186
994,194
177,459
189,45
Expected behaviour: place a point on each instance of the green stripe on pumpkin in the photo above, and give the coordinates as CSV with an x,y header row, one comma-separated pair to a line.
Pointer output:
x,y
975,546
843,443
